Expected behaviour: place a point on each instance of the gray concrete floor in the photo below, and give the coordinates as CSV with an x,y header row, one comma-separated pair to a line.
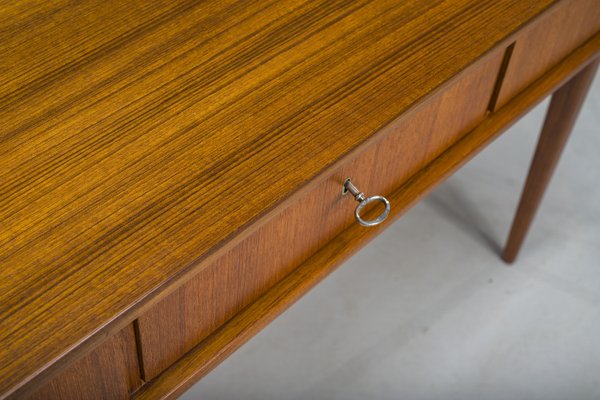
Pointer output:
x,y
429,311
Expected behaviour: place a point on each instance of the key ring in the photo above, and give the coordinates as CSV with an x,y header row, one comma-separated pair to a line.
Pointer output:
x,y
363,201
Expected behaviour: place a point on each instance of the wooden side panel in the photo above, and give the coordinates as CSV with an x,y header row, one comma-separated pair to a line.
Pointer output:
x,y
110,371
546,43
221,290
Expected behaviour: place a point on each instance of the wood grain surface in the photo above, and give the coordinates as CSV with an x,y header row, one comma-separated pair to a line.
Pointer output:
x,y
229,284
139,139
216,347
110,371
541,46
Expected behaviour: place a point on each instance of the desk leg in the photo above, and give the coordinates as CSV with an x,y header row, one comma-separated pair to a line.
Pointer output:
x,y
560,118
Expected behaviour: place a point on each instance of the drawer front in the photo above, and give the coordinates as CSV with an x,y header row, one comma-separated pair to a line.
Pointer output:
x,y
110,371
548,41
220,290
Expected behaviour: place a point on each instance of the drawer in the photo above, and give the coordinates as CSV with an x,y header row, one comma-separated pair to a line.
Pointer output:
x,y
110,371
548,41
220,290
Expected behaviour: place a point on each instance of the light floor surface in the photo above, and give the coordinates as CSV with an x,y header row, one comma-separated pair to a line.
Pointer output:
x,y
429,311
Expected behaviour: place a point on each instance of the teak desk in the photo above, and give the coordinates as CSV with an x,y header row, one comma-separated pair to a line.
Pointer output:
x,y
172,172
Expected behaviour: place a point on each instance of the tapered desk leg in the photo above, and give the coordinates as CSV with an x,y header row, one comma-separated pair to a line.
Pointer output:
x,y
560,118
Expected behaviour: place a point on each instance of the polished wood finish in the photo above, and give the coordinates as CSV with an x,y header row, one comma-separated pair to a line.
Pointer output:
x,y
182,162
141,141
110,371
544,44
225,287
561,116
216,347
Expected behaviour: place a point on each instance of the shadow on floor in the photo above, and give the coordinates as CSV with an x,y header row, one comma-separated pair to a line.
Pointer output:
x,y
451,203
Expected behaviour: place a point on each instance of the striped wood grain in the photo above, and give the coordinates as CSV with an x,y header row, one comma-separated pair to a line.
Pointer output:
x,y
139,139
543,45
233,281
216,347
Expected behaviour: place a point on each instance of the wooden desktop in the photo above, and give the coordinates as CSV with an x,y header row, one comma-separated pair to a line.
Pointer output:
x,y
173,174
